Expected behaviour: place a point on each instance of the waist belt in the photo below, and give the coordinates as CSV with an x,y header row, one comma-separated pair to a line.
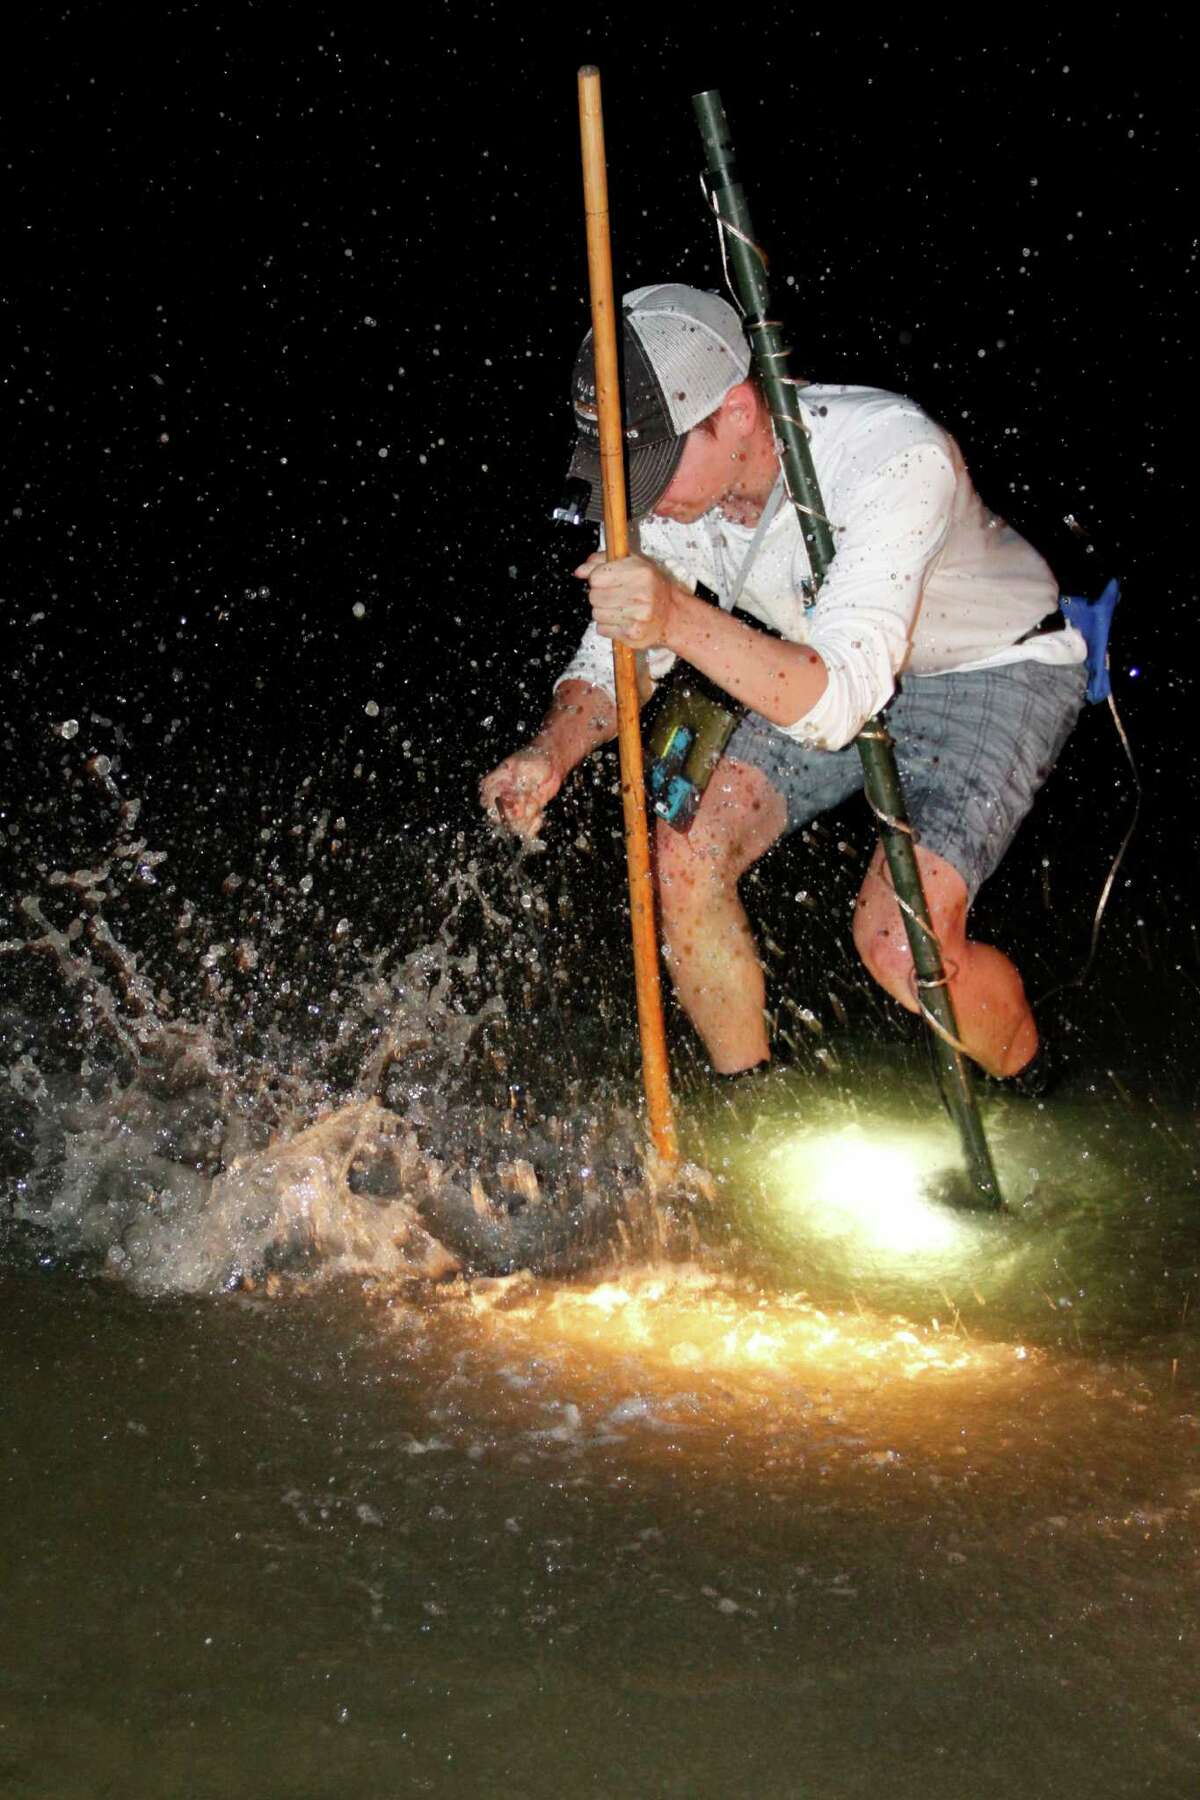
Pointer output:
x,y
1052,622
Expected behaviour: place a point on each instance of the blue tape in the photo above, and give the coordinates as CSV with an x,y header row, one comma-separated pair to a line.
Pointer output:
x,y
675,797
677,801
1093,618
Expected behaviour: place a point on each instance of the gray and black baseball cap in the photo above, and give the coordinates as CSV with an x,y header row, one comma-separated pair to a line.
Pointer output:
x,y
683,349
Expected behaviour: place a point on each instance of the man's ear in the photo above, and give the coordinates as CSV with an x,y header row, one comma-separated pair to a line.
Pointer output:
x,y
741,407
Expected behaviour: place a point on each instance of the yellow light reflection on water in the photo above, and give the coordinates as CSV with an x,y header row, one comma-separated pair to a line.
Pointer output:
x,y
688,1319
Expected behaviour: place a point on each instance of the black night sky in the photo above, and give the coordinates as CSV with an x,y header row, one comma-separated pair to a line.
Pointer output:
x,y
292,295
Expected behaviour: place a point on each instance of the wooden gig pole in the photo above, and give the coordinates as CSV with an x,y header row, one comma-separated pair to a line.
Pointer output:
x,y
655,1073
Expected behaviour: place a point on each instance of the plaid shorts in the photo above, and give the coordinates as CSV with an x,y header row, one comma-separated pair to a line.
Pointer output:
x,y
972,750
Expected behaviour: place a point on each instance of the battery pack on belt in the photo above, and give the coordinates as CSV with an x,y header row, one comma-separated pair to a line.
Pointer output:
x,y
686,743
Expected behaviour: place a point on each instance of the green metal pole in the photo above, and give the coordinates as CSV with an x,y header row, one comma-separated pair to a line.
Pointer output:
x,y
747,266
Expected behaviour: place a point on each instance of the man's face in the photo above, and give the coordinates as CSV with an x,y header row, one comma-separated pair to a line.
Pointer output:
x,y
712,465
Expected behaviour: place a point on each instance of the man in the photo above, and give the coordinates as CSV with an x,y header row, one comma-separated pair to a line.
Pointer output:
x,y
932,608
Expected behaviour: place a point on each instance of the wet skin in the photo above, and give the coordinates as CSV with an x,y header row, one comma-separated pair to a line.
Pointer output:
x,y
711,951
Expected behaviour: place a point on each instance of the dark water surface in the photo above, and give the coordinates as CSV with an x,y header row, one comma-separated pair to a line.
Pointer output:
x,y
670,1531
844,1493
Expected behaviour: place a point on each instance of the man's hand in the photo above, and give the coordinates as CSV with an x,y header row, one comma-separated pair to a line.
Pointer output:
x,y
633,600
516,794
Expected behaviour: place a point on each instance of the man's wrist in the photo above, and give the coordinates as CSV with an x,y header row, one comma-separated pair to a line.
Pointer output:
x,y
546,744
674,612
679,634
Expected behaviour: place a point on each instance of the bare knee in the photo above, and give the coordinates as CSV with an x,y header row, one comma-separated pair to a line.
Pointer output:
x,y
880,936
882,945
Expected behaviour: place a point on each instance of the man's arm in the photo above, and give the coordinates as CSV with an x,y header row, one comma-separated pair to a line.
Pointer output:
x,y
636,602
890,530
580,718
781,681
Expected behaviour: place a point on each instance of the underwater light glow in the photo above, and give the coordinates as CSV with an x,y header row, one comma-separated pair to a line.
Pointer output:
x,y
848,1184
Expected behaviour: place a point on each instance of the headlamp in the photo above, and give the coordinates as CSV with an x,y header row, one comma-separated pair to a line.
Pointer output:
x,y
572,508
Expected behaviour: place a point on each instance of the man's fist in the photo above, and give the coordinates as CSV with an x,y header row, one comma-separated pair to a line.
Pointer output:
x,y
632,600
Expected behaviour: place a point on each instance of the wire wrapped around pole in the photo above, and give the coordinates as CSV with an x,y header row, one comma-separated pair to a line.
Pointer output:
x,y
746,264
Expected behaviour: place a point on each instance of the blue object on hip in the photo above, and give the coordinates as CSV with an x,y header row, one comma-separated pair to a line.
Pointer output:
x,y
1093,618
675,797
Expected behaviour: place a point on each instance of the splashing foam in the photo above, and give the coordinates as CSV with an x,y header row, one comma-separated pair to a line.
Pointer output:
x,y
196,1170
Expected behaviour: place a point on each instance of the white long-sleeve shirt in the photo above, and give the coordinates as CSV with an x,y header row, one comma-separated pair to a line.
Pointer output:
x,y
925,580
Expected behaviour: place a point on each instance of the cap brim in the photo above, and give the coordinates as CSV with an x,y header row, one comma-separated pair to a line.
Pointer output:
x,y
650,468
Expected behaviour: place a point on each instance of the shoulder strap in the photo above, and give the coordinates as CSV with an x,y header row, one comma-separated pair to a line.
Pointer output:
x,y
768,513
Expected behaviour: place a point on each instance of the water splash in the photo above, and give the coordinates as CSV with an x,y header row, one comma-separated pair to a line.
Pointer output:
x,y
191,1156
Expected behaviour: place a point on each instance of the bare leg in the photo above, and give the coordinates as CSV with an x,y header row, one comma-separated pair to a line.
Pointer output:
x,y
994,1017
710,950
